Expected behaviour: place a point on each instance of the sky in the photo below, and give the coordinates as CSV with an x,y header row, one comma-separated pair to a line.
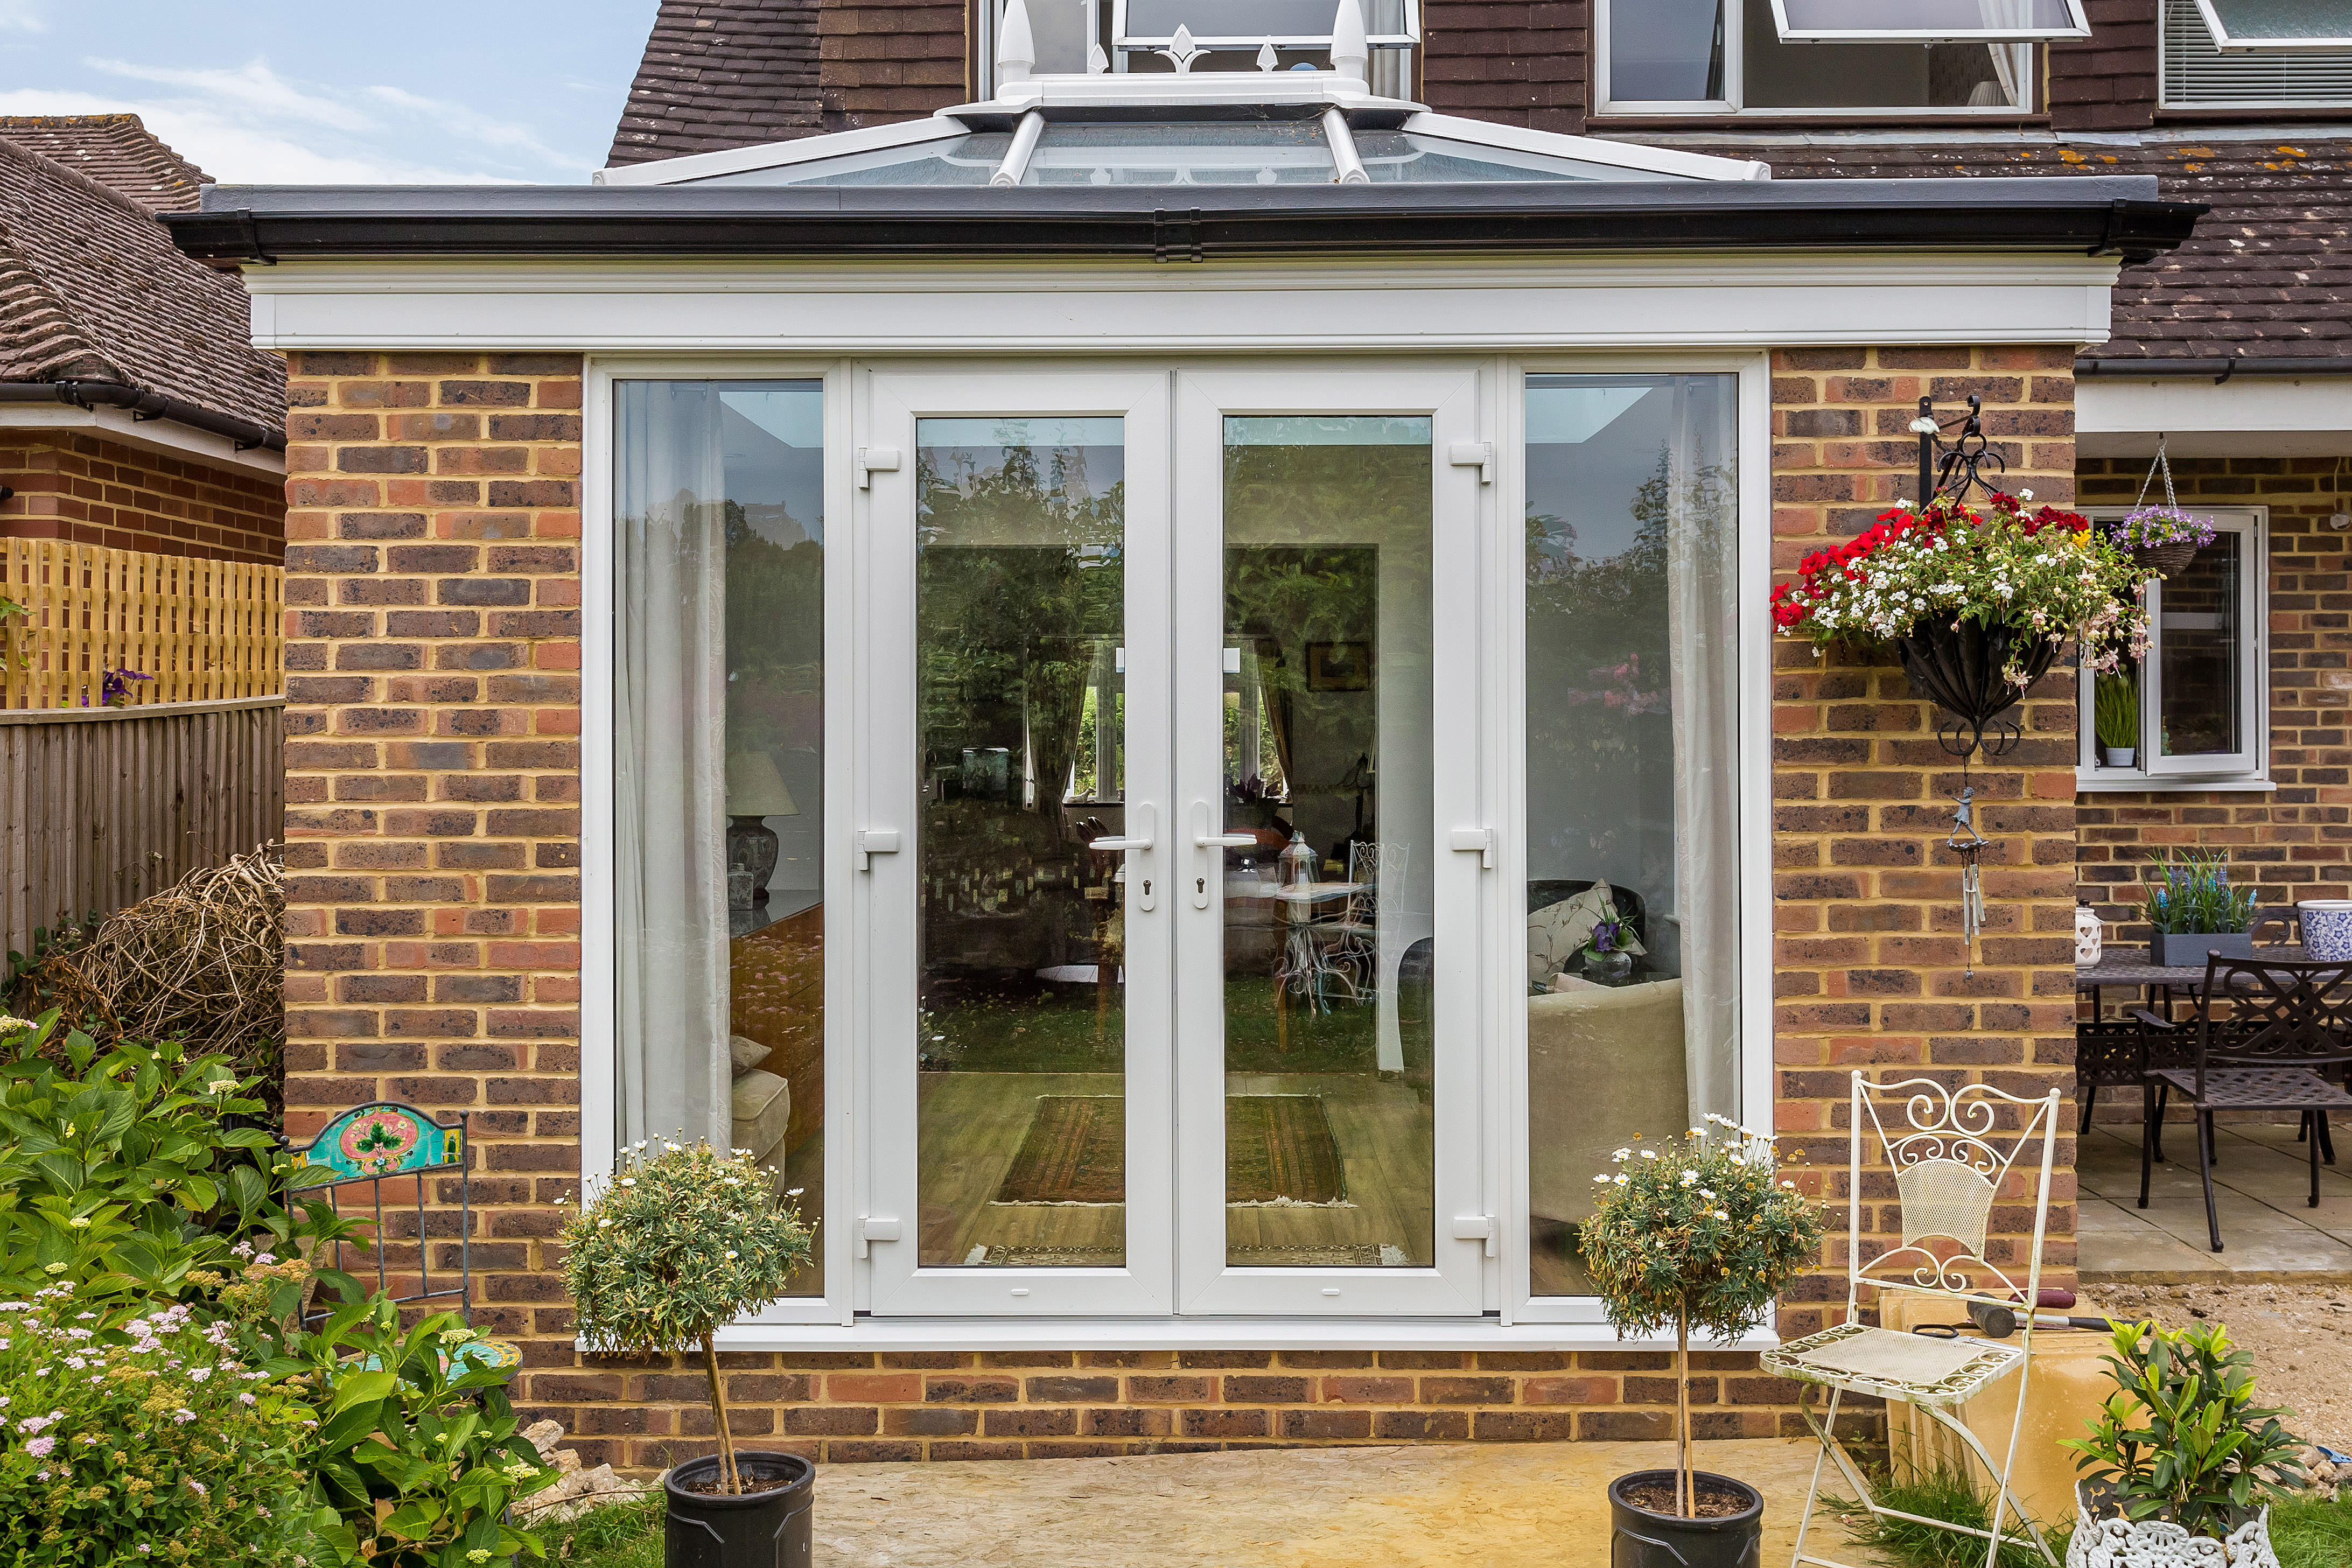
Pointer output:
x,y
266,93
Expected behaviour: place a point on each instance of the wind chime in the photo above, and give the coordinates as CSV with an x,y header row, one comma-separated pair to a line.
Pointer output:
x,y
1963,672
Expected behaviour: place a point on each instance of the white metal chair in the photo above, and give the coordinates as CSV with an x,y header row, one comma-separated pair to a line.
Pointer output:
x,y
1949,1168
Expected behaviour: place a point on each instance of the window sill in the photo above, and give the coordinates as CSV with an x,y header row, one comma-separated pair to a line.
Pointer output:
x,y
2117,781
1010,1334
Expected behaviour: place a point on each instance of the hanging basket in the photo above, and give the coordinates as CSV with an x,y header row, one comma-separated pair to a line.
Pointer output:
x,y
2171,559
1961,667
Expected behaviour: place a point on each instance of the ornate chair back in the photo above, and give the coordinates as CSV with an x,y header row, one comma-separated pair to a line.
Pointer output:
x,y
1951,1157
385,1142
2284,1013
1368,865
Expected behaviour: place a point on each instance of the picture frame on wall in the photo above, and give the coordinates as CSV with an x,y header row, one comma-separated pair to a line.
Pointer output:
x,y
1338,667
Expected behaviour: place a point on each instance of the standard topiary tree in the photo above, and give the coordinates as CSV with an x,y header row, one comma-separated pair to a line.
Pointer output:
x,y
682,1239
1698,1234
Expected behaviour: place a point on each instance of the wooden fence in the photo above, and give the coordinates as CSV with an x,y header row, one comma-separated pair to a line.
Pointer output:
x,y
100,807
201,631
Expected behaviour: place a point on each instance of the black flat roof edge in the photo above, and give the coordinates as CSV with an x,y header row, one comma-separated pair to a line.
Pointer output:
x,y
2096,214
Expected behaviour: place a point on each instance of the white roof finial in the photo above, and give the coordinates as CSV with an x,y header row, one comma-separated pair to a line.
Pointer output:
x,y
1016,49
1351,56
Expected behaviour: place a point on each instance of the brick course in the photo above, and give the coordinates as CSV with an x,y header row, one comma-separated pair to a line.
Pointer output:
x,y
879,61
87,490
1519,64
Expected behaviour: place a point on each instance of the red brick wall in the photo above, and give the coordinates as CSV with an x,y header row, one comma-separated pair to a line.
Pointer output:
x,y
87,490
2106,81
1520,62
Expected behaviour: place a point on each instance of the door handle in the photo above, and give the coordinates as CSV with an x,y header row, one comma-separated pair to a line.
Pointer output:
x,y
1142,823
1203,841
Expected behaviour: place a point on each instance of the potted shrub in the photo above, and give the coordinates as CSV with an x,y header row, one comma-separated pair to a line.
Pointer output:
x,y
1696,1235
1978,605
2163,537
681,1240
2194,912
2181,1454
2115,718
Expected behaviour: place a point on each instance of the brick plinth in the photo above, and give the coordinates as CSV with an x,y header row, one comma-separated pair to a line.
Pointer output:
x,y
87,490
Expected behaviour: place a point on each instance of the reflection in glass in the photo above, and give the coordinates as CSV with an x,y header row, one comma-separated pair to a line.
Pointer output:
x,y
719,793
1632,748
1019,611
2200,643
1665,51
1896,74
1328,1124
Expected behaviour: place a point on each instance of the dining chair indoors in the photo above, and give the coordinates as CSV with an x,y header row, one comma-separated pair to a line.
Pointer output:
x,y
1951,1158
2288,1033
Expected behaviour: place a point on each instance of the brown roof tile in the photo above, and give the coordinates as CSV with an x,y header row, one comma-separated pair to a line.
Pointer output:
x,y
118,150
718,74
92,289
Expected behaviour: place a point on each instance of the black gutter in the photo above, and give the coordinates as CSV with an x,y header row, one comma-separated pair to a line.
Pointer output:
x,y
2098,214
2219,367
246,433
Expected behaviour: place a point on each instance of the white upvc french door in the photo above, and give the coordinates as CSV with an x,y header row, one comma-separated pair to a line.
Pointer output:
x,y
1328,1031
1013,530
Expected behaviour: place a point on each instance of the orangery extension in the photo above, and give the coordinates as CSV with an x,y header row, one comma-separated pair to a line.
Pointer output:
x,y
1076,673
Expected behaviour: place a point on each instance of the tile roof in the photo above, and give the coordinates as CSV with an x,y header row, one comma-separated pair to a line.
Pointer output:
x,y
721,73
92,289
117,151
2268,274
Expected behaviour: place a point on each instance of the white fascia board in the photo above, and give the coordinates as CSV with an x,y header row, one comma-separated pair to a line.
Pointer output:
x,y
881,308
778,154
2281,417
164,436
868,1333
1589,149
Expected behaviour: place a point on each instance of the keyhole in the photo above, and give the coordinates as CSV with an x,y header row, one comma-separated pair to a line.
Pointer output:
x,y
1200,884
1147,887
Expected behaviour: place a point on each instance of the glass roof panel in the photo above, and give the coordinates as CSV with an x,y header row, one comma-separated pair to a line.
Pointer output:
x,y
2278,24
1944,19
1164,153
966,160
1410,158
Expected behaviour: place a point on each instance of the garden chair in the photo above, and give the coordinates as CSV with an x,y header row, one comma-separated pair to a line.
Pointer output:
x,y
1945,1148
2290,1028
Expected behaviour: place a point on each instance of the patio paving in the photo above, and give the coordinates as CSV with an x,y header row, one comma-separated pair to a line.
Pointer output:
x,y
1509,1505
2261,1180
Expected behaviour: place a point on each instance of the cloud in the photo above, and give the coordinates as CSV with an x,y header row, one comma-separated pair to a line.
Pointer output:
x,y
473,126
236,149
22,16
252,87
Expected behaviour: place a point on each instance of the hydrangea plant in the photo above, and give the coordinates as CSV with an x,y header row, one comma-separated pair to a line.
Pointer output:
x,y
2044,573
1698,1234
682,1239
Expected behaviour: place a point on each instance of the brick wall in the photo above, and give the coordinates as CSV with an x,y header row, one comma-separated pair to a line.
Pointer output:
x,y
2294,842
2106,81
434,934
883,60
87,490
1869,964
1520,63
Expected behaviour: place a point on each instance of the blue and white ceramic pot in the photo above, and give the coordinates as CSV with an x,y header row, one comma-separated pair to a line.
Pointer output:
x,y
2326,929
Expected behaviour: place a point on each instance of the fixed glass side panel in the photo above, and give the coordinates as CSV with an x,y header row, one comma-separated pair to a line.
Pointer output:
x,y
1329,821
1020,665
2200,648
1666,51
1208,153
1632,744
719,788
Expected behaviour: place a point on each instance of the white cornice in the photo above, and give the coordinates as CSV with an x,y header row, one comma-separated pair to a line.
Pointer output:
x,y
161,436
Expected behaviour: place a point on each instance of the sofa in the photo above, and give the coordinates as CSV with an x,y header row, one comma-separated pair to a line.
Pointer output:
x,y
1603,1064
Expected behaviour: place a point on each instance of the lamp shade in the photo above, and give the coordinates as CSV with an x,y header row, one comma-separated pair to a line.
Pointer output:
x,y
754,788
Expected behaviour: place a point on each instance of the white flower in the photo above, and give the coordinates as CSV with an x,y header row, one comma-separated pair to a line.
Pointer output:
x,y
1619,1180
628,1181
1622,1155
1602,1178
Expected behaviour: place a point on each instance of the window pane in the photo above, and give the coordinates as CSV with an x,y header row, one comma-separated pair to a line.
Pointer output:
x,y
2196,70
718,792
968,160
1019,614
1778,75
1410,157
1665,51
1944,17
2282,23
1277,152
2201,642
1232,18
1632,758
1330,1127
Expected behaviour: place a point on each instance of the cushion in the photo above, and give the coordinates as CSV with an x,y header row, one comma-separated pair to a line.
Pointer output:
x,y
1557,932
762,1110
745,1052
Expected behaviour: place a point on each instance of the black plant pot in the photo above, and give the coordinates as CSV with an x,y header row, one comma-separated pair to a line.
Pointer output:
x,y
1961,667
757,1529
1640,1539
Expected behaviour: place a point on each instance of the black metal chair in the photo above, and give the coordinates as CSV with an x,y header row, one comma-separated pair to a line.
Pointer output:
x,y
2290,1023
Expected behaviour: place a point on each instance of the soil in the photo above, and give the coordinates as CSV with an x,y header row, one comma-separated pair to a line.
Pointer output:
x,y
1715,1501
753,1485
2301,1337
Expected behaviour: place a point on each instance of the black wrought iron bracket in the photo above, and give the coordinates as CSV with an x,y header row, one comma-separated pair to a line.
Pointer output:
x,y
1963,738
1949,470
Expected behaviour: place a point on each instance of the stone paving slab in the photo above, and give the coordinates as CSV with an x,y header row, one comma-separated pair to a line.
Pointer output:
x,y
1532,1505
2259,1187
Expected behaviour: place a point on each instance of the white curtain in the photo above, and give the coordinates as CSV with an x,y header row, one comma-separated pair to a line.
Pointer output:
x,y
669,794
1701,616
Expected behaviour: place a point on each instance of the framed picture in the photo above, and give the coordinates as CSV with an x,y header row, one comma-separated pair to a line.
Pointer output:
x,y
1338,667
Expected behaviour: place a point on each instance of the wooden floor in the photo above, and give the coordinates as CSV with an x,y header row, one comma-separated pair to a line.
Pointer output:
x,y
973,1123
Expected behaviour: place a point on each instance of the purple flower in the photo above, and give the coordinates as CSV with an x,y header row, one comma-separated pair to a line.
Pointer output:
x,y
39,1446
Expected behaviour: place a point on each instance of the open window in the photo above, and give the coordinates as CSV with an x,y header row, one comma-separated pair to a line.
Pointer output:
x,y
2195,710
2248,54
1686,56
2244,24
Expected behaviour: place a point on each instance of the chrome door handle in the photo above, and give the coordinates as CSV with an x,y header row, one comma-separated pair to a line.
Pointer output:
x,y
1142,820
1204,840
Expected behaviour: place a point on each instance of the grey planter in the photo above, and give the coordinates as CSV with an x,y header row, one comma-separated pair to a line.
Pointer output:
x,y
2178,948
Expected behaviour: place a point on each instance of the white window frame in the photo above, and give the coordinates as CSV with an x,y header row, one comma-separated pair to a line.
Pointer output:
x,y
2228,45
2081,29
2168,18
2244,770
1734,69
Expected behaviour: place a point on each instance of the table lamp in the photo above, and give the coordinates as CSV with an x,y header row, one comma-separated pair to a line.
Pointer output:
x,y
754,790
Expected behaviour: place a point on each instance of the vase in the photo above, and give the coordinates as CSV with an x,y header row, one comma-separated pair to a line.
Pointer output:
x,y
2326,930
1960,666
768,1528
2171,559
2090,935
2101,1540
1609,968
2119,756
1639,1538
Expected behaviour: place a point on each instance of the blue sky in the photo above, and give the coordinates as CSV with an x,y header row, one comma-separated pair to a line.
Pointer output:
x,y
411,90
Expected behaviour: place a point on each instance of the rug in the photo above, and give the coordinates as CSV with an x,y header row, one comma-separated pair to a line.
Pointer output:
x,y
1075,1152
1047,1256
1376,1255
1279,1150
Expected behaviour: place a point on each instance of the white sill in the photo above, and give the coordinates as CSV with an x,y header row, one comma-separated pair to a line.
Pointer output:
x,y
870,1333
2123,781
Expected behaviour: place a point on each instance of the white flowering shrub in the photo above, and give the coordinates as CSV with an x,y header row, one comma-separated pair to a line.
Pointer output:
x,y
155,1437
681,1240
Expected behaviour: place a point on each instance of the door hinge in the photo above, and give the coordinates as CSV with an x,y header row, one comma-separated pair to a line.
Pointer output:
x,y
1478,455
873,841
1479,841
876,1227
873,461
1479,1227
